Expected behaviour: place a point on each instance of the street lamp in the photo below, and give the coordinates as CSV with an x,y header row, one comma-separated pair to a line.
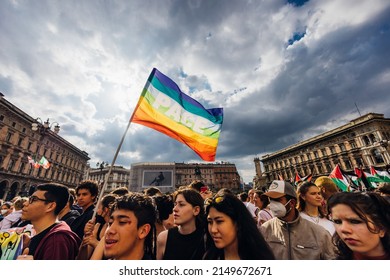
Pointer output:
x,y
101,166
44,126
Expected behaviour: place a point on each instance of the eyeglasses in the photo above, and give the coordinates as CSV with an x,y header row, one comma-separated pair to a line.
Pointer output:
x,y
34,198
216,200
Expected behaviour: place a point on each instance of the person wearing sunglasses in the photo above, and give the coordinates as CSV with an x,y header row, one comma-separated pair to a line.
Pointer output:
x,y
54,239
233,231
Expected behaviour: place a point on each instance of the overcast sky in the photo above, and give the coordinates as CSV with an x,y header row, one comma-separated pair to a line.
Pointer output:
x,y
282,70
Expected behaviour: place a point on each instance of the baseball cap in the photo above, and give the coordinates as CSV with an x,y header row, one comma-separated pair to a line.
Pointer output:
x,y
279,188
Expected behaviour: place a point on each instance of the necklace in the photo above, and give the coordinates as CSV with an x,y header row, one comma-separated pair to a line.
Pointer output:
x,y
315,219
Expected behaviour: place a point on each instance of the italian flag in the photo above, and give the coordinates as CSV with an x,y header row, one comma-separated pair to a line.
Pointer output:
x,y
340,180
44,163
384,176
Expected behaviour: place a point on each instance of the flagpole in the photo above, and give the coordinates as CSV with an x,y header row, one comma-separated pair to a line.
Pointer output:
x,y
109,170
117,152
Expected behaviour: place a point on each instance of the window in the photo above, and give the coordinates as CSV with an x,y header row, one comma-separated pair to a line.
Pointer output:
x,y
366,141
342,147
348,164
315,154
377,156
359,162
11,164
8,138
309,156
20,141
1,118
323,151
353,144
332,150
372,138
29,146
13,124
21,167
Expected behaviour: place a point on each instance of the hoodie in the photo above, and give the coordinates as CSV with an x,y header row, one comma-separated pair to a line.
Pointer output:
x,y
60,243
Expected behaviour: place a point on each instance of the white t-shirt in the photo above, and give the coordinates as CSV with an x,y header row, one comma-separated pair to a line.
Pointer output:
x,y
324,222
252,209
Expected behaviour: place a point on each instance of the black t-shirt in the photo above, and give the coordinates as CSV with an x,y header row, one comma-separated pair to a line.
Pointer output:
x,y
35,240
184,247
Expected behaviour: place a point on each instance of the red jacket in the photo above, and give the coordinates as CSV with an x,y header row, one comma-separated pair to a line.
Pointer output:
x,y
60,243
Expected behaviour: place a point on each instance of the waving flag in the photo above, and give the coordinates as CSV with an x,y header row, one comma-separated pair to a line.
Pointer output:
x,y
339,178
383,175
165,108
33,162
44,163
297,178
362,176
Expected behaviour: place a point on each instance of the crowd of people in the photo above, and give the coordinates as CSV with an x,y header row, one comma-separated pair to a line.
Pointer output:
x,y
282,221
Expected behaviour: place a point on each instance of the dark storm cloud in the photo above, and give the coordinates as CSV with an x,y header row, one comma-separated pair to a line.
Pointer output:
x,y
318,85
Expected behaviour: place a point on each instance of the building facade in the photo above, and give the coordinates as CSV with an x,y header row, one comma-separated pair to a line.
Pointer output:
x,y
119,177
260,179
214,175
18,141
363,142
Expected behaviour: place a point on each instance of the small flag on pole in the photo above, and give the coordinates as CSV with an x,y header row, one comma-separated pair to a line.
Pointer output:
x,y
33,162
165,108
44,163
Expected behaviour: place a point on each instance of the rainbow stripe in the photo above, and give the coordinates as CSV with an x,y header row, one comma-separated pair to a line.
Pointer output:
x,y
165,108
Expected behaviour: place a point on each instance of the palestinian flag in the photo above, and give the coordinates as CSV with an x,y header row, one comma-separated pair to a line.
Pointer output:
x,y
307,178
383,175
367,179
339,178
297,178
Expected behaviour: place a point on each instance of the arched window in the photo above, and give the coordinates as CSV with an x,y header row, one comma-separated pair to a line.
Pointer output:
x,y
366,141
372,138
377,156
348,164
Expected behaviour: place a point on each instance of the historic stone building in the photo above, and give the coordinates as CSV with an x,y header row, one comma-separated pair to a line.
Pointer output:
x,y
214,175
260,179
119,177
363,142
22,136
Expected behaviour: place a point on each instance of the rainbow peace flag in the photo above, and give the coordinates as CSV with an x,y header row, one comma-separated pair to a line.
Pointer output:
x,y
165,108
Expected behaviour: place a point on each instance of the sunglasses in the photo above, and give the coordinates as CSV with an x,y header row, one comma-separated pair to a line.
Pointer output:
x,y
214,200
34,198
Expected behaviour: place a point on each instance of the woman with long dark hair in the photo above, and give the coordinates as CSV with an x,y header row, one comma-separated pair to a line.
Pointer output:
x,y
233,231
186,241
362,222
